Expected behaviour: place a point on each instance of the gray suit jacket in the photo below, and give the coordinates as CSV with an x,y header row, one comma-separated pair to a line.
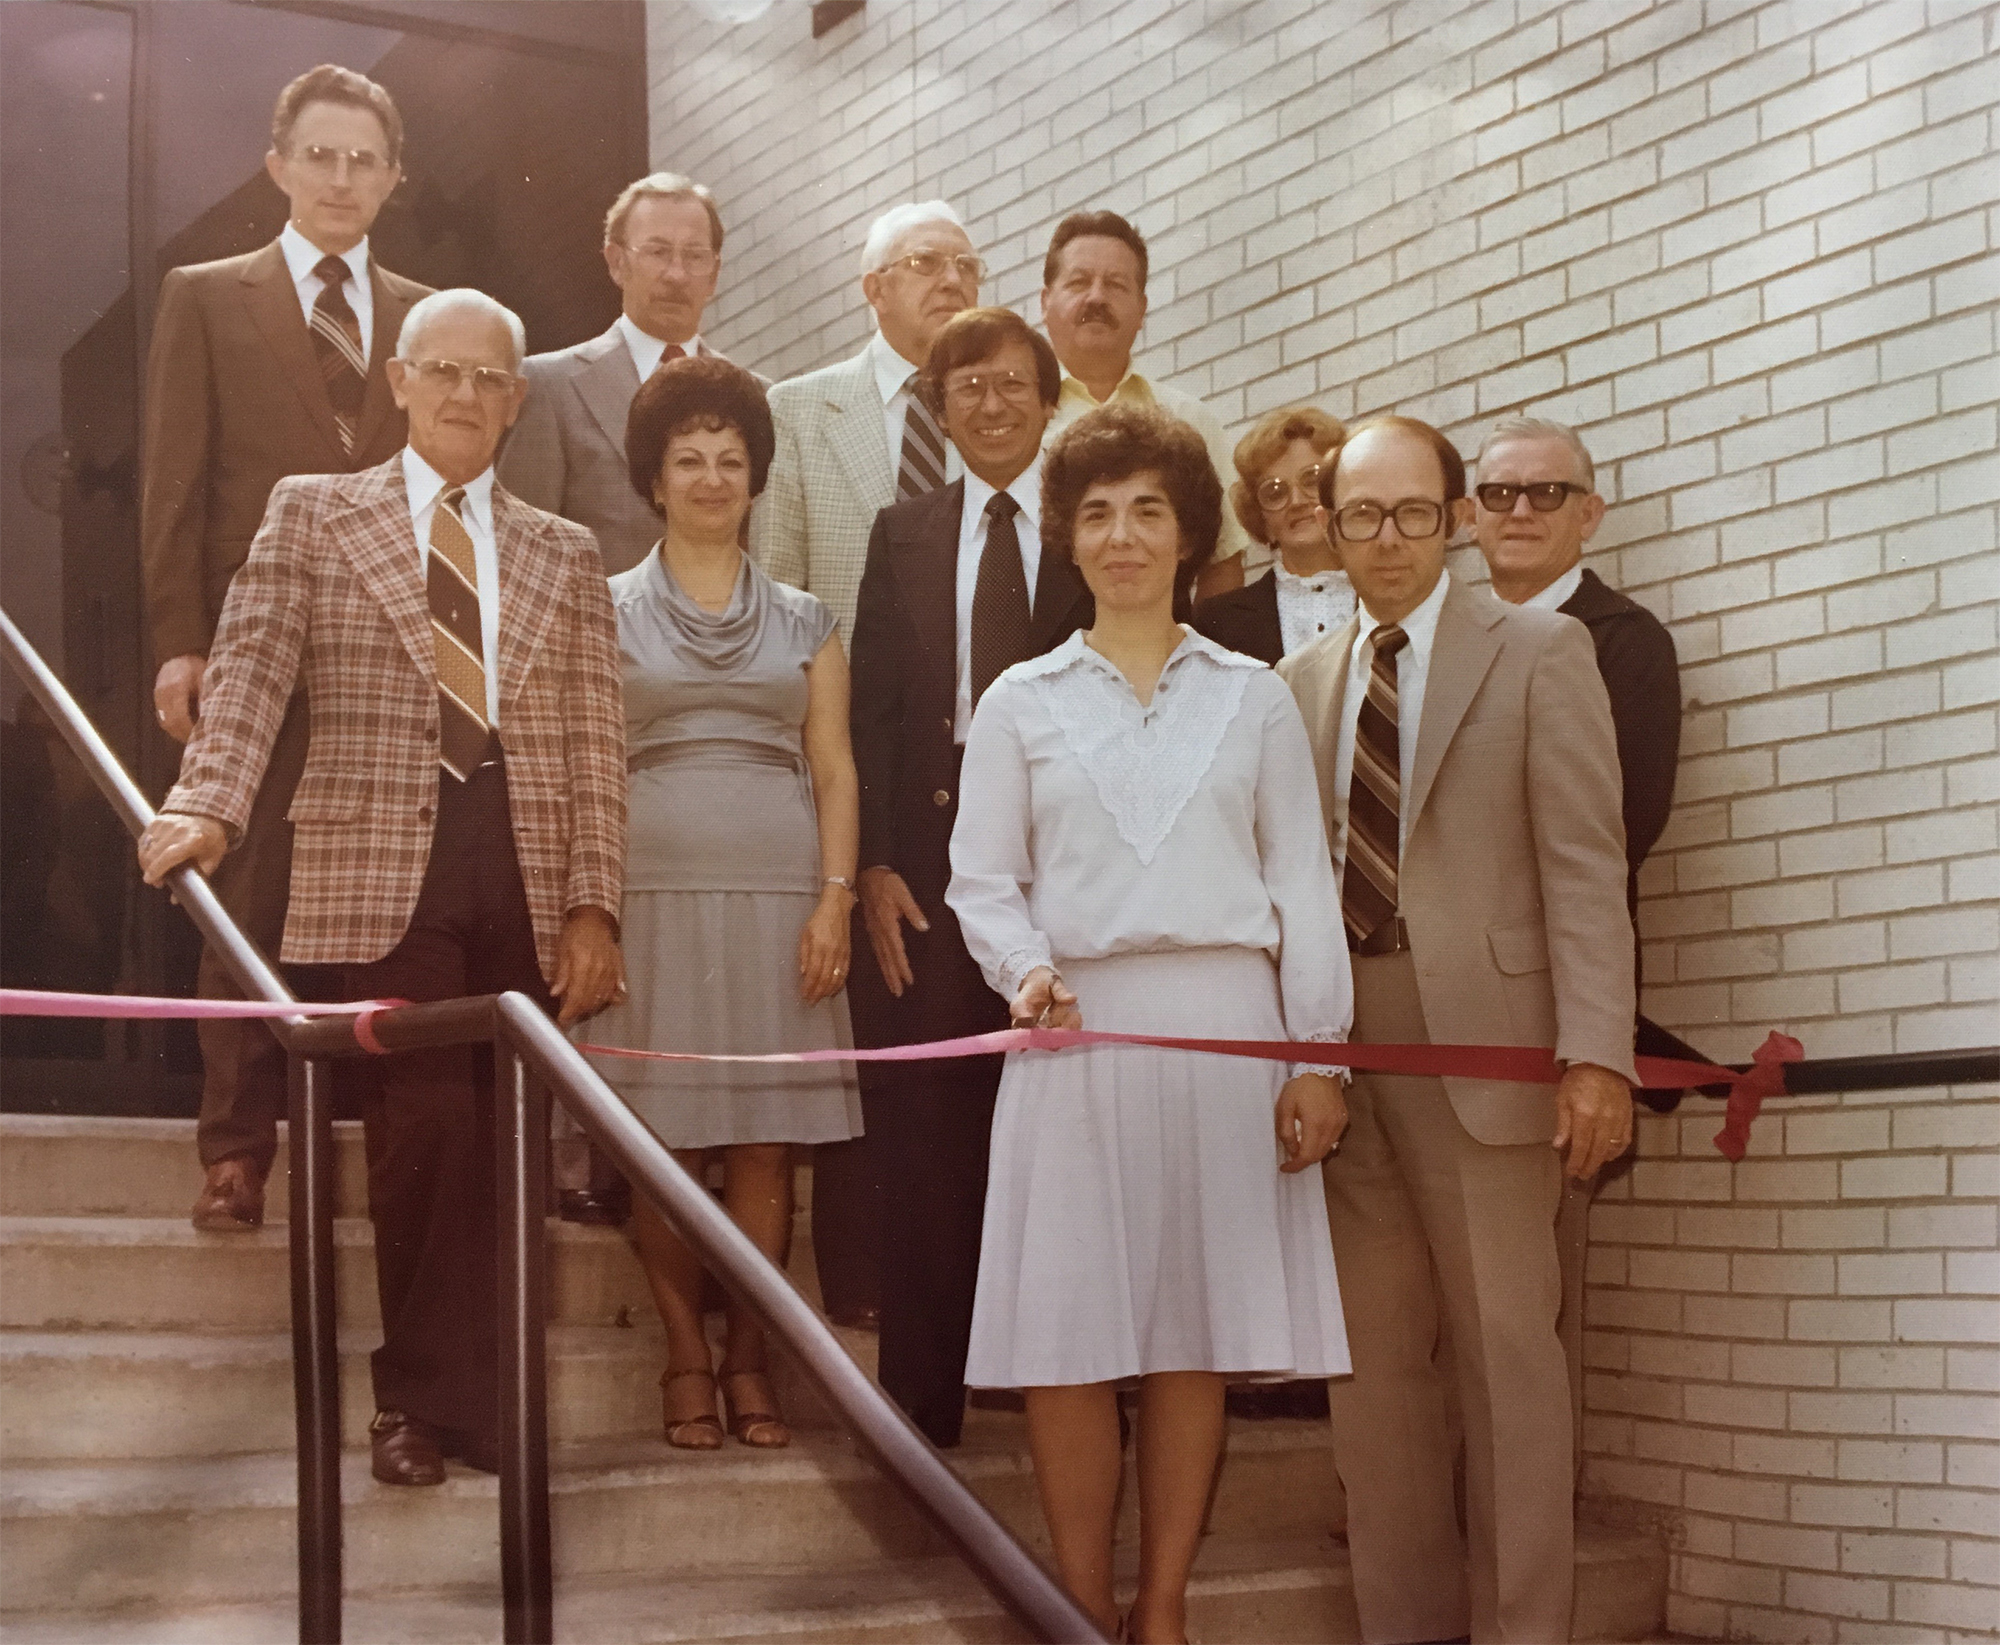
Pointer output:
x,y
566,454
1513,871
831,476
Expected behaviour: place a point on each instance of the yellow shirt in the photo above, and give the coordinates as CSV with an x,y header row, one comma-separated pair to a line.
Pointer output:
x,y
1075,400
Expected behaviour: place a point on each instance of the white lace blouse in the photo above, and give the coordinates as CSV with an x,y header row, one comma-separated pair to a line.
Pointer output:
x,y
1090,826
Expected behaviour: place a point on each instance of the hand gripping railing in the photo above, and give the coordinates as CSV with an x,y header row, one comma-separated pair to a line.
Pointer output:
x,y
531,1058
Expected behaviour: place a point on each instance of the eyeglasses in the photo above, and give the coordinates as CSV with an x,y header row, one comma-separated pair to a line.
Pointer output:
x,y
1276,493
1544,496
488,382
969,393
322,161
657,254
928,265
1362,522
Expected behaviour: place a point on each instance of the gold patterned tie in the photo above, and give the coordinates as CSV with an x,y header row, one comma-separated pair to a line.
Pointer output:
x,y
1374,798
452,584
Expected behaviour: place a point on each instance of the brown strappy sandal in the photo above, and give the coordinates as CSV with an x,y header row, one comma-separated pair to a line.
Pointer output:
x,y
749,1423
700,1432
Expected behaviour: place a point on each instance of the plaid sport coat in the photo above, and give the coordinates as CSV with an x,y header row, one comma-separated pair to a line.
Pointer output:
x,y
331,595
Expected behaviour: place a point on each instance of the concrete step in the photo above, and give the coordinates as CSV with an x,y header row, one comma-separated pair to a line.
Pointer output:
x,y
220,1530
1244,1589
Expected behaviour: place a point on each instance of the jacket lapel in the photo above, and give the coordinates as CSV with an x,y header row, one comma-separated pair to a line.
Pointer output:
x,y
607,384
1318,678
382,548
273,303
528,591
857,435
1461,653
927,570
1062,603
377,403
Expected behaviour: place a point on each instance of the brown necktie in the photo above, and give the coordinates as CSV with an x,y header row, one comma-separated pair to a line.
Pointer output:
x,y
922,466
452,583
1374,798
1001,613
673,351
336,336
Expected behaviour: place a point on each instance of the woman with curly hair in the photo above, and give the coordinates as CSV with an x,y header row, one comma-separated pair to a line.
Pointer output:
x,y
1139,848
740,867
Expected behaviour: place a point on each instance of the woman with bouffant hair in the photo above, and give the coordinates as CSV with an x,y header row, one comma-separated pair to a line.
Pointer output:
x,y
1139,848
740,865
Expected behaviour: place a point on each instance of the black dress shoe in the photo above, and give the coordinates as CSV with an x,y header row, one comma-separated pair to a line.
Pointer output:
x,y
480,1451
866,1317
405,1451
595,1210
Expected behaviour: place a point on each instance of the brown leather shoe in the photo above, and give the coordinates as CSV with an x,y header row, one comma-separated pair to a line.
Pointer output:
x,y
405,1450
232,1198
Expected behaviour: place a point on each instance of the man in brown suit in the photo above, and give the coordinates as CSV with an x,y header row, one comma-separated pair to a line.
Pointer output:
x,y
1469,774
460,820
262,366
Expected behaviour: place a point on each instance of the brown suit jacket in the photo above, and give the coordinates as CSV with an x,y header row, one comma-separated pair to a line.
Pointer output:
x,y
234,403
331,591
1513,871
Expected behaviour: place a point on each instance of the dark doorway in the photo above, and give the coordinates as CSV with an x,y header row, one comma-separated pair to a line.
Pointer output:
x,y
135,135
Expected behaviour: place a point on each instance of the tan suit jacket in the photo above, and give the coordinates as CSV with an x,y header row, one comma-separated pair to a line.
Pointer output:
x,y
332,591
832,474
1513,870
234,403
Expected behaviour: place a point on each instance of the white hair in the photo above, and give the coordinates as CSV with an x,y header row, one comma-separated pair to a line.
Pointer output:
x,y
897,221
461,297
1539,428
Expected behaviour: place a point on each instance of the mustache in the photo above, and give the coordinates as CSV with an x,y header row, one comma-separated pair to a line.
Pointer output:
x,y
1095,311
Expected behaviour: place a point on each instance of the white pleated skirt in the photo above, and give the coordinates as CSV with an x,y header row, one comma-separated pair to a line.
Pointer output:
x,y
1136,1219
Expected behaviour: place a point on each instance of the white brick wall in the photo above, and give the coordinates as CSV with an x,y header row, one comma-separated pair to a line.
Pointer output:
x,y
1748,247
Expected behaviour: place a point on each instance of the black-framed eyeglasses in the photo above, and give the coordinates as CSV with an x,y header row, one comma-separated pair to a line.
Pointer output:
x,y
928,265
1544,496
318,158
1273,492
1415,517
969,393
488,382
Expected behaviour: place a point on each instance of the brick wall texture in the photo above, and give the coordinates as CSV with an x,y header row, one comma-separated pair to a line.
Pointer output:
x,y
1747,247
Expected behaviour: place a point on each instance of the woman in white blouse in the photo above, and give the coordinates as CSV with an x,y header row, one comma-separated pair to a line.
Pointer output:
x,y
1139,847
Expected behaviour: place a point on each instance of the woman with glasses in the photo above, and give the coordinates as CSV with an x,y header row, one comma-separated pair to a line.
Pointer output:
x,y
1276,496
1139,848
740,867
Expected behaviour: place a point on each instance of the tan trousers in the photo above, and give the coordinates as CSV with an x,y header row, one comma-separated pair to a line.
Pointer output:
x,y
1411,1196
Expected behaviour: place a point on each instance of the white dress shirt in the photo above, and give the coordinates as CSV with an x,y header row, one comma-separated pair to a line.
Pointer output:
x,y
896,381
425,485
1311,606
1413,665
972,527
646,349
1552,597
302,257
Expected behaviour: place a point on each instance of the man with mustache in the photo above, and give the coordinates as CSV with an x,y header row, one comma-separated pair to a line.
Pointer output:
x,y
1093,304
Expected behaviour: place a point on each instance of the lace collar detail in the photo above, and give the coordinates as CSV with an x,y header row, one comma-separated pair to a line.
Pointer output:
x,y
1145,763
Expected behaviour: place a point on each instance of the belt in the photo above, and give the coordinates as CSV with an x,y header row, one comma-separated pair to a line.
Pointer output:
x,y
713,750
1392,936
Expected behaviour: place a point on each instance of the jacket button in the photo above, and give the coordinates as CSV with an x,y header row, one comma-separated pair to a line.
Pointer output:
x,y
423,813
940,799
949,723
430,734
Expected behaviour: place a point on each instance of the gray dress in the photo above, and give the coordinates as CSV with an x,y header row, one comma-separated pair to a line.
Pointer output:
x,y
722,867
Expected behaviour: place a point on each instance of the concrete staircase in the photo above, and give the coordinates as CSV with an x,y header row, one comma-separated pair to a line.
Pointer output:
x,y
146,1476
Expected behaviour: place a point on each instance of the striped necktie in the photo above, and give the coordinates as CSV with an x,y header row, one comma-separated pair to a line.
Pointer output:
x,y
1374,798
922,465
336,336
452,584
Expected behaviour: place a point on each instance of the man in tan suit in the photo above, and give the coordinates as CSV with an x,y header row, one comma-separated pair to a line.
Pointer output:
x,y
460,820
1470,777
263,366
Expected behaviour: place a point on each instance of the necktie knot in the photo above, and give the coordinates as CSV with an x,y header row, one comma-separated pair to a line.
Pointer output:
x,y
1001,506
1390,640
452,499
673,351
333,270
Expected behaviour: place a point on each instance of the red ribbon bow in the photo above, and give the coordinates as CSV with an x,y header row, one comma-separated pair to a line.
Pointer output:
x,y
1765,1077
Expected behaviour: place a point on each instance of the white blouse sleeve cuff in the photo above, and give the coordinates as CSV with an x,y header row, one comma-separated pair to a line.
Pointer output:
x,y
1014,968
1333,1071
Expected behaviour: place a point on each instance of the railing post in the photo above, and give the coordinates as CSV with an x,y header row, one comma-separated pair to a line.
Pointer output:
x,y
521,1140
315,1349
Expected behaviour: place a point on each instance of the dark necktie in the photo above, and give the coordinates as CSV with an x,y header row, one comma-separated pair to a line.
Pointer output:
x,y
452,585
1001,613
673,351
336,336
1374,798
921,468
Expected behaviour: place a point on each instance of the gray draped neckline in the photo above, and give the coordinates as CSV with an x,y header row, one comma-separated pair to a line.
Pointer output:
x,y
719,641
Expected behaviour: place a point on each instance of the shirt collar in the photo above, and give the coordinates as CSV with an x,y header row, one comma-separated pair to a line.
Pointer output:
x,y
892,371
302,256
1319,580
1076,652
1130,387
646,349
1552,597
1420,625
423,484
1025,489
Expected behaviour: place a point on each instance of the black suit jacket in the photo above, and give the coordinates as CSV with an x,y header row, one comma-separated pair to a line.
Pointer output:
x,y
905,690
1245,619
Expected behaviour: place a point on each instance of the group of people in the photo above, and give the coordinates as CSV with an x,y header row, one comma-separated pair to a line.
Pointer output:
x,y
921,694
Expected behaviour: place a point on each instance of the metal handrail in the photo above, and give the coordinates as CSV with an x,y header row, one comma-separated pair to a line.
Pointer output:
x,y
532,1057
